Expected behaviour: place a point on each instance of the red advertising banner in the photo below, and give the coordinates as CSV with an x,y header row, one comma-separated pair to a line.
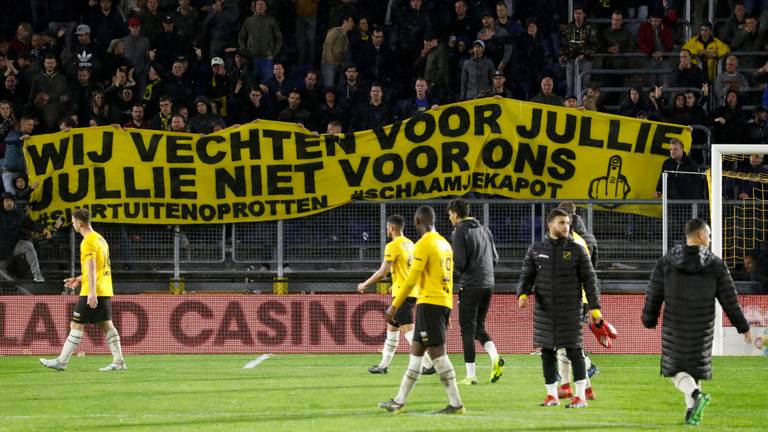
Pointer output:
x,y
325,323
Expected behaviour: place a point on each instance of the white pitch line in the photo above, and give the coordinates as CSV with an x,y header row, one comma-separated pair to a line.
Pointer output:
x,y
255,362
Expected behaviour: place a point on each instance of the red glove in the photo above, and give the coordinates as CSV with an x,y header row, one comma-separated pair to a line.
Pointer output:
x,y
604,332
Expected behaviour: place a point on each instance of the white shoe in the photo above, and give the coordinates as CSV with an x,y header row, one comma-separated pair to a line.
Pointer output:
x,y
39,279
53,364
113,367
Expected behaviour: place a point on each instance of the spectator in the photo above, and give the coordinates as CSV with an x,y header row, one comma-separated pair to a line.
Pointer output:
x,y
254,108
510,24
351,92
418,104
294,113
413,25
47,113
99,113
150,19
635,103
748,38
122,106
753,189
82,92
546,96
476,73
12,222
654,39
169,45
686,74
178,124
331,110
260,40
152,91
758,126
680,186
728,120
306,29
463,25
498,89
114,59
707,48
571,102
221,25
359,37
219,87
528,67
206,120
106,23
578,41
22,42
335,51
334,127
696,106
162,120
594,93
13,163
186,19
728,31
756,264
730,78
617,40
22,190
13,93
7,124
278,86
50,81
83,53
497,40
433,66
137,118
136,46
375,114
178,86
677,112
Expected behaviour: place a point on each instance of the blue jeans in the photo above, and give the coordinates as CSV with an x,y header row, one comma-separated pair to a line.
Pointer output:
x,y
262,66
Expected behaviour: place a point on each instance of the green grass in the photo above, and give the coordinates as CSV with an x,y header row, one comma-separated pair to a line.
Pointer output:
x,y
335,393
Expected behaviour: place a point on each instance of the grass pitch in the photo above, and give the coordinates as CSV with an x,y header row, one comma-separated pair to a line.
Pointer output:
x,y
335,393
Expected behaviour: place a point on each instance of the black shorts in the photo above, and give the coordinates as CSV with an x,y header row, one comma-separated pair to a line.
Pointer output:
x,y
404,314
84,314
431,322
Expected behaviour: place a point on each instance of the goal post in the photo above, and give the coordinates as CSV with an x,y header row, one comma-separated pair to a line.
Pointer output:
x,y
716,214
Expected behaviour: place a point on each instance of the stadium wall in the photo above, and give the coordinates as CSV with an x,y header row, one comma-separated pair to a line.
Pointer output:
x,y
326,323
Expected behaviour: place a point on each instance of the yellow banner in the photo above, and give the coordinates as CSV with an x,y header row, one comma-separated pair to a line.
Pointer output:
x,y
268,170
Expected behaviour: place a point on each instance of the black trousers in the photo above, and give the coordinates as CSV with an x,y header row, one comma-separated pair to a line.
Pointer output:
x,y
473,308
549,363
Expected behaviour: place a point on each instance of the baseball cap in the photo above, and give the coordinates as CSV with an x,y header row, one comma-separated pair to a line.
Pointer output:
x,y
479,42
217,61
168,19
8,195
497,73
134,22
82,29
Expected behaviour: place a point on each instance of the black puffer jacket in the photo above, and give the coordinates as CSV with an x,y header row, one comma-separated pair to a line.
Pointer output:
x,y
556,270
687,280
474,255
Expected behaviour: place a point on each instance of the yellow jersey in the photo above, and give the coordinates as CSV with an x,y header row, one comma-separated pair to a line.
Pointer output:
x,y
398,252
581,242
95,247
432,270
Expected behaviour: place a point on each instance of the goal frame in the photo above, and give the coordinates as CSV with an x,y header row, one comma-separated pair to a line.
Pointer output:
x,y
716,215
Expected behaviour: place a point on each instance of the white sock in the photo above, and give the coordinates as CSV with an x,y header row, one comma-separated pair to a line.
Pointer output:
x,y
686,384
73,340
587,361
410,377
470,370
581,387
390,346
551,390
564,367
113,342
427,362
409,338
490,348
448,378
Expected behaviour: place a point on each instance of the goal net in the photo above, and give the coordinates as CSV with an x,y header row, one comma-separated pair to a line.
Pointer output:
x,y
739,220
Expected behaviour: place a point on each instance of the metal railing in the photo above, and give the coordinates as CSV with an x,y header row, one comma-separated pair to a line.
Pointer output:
x,y
352,237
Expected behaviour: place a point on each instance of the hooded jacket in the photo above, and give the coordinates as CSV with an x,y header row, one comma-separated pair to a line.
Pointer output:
x,y
687,280
474,255
556,271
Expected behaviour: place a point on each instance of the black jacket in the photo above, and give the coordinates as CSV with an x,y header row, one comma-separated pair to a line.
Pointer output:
x,y
556,270
687,280
11,229
474,255
682,186
578,226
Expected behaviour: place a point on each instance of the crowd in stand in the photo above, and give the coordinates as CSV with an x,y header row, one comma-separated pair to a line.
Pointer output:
x,y
347,65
